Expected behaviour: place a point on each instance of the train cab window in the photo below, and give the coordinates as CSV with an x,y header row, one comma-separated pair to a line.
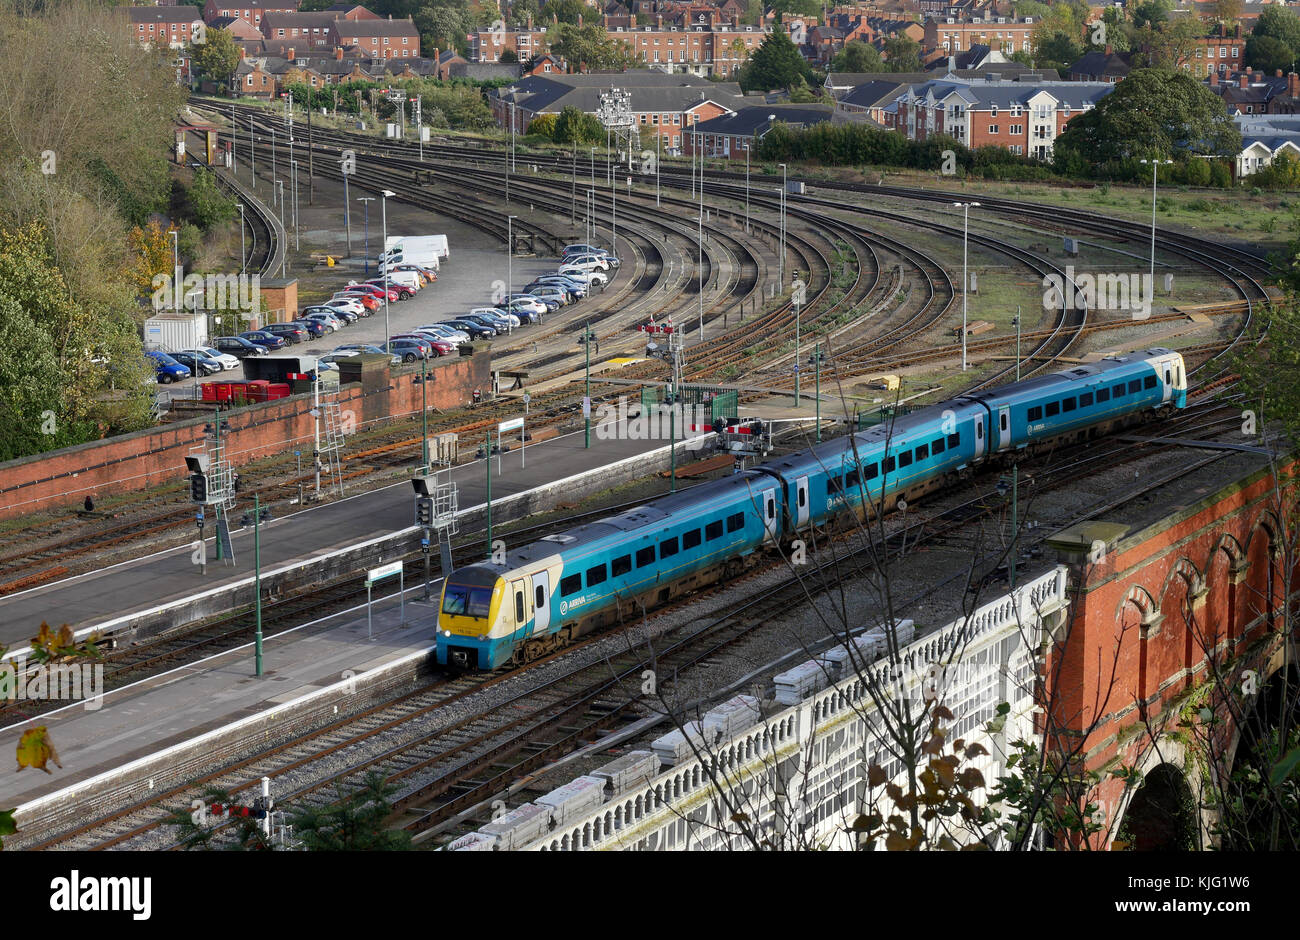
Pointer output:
x,y
954,440
1069,404
923,452
871,471
1053,409
1085,400
803,497
595,575
1103,394
519,607
713,530
735,522
668,547
1036,413
1119,390
1149,382
621,565
771,509
571,585
1135,386
889,464
936,446
540,601
905,459
645,556
691,539
1003,421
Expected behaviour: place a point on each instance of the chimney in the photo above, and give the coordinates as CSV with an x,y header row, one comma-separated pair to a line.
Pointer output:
x,y
659,21
1243,81
1293,85
1277,74
1214,79
579,21
1249,70
530,22
952,63
338,54
1110,50
291,52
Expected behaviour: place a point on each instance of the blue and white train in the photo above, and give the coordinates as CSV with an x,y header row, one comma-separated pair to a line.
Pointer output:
x,y
562,586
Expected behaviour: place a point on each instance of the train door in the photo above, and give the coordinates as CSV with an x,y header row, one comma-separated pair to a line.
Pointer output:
x,y
1168,388
1004,427
769,513
522,602
801,501
979,435
541,602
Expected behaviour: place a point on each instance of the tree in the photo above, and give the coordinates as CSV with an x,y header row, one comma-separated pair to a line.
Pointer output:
x,y
217,57
508,56
577,127
354,822
543,124
1151,13
1227,12
858,56
1154,113
1172,45
522,10
800,93
776,63
1055,48
443,24
568,11
589,46
902,54
1266,54
1281,23
793,8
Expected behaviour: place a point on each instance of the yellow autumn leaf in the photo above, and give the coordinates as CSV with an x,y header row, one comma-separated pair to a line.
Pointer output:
x,y
35,748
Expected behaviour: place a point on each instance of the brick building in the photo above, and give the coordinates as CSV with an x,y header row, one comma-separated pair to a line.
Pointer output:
x,y
149,24
252,14
378,39
730,136
306,30
1002,33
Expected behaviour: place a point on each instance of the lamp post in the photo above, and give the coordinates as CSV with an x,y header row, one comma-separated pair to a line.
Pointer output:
x,y
257,579
510,253
1155,173
367,200
294,184
573,190
424,412
176,268
274,171
816,362
747,149
388,332
965,277
1016,322
586,399
658,140
780,277
699,236
347,206
593,166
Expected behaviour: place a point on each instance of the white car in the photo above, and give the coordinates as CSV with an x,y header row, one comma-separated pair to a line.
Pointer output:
x,y
589,277
343,303
449,332
329,321
587,263
226,360
501,312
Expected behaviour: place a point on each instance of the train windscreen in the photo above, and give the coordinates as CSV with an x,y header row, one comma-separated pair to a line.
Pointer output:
x,y
465,600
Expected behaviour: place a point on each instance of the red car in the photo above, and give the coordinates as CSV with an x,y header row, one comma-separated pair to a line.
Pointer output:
x,y
366,299
373,290
395,291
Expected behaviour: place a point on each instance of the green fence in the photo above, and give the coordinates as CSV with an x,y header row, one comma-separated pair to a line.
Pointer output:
x,y
721,402
869,419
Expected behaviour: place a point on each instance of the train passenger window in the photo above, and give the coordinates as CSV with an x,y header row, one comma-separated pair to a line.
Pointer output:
x,y
645,556
668,547
889,464
852,478
736,522
519,607
1053,409
905,459
1149,382
571,585
541,597
713,530
595,575
833,485
691,539
1103,394
1069,404
1119,390
923,452
1136,386
936,446
871,471
1036,413
1085,400
954,440
621,565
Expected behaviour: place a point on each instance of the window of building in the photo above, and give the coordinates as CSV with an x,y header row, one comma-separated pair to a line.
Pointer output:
x,y
993,128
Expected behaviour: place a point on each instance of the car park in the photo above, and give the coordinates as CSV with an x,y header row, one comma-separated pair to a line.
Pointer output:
x,y
198,363
264,339
239,346
167,369
226,360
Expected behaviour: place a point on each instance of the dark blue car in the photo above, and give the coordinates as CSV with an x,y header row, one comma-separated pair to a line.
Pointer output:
x,y
263,339
167,369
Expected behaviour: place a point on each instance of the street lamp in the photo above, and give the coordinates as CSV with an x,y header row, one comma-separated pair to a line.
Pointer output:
x,y
593,166
367,200
699,237
243,262
1155,172
510,254
176,268
780,276
965,282
747,149
388,332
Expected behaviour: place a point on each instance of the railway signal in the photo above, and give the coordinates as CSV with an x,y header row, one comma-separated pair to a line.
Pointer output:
x,y
197,464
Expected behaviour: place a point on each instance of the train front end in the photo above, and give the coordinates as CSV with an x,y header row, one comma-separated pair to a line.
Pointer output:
x,y
470,631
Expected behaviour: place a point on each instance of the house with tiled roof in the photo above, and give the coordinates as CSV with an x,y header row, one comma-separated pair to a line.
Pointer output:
x,y
1264,138
1105,66
378,39
732,136
173,25
305,30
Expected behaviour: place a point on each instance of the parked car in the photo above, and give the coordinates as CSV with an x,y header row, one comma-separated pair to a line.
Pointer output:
x,y
166,369
292,332
333,320
359,348
521,310
354,304
578,250
501,313
411,349
587,262
497,325
441,346
369,302
447,332
239,346
531,302
426,275
226,359
264,339
344,317
314,328
575,288
395,278
331,358
594,278
198,363
545,292
399,291
359,288
475,330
